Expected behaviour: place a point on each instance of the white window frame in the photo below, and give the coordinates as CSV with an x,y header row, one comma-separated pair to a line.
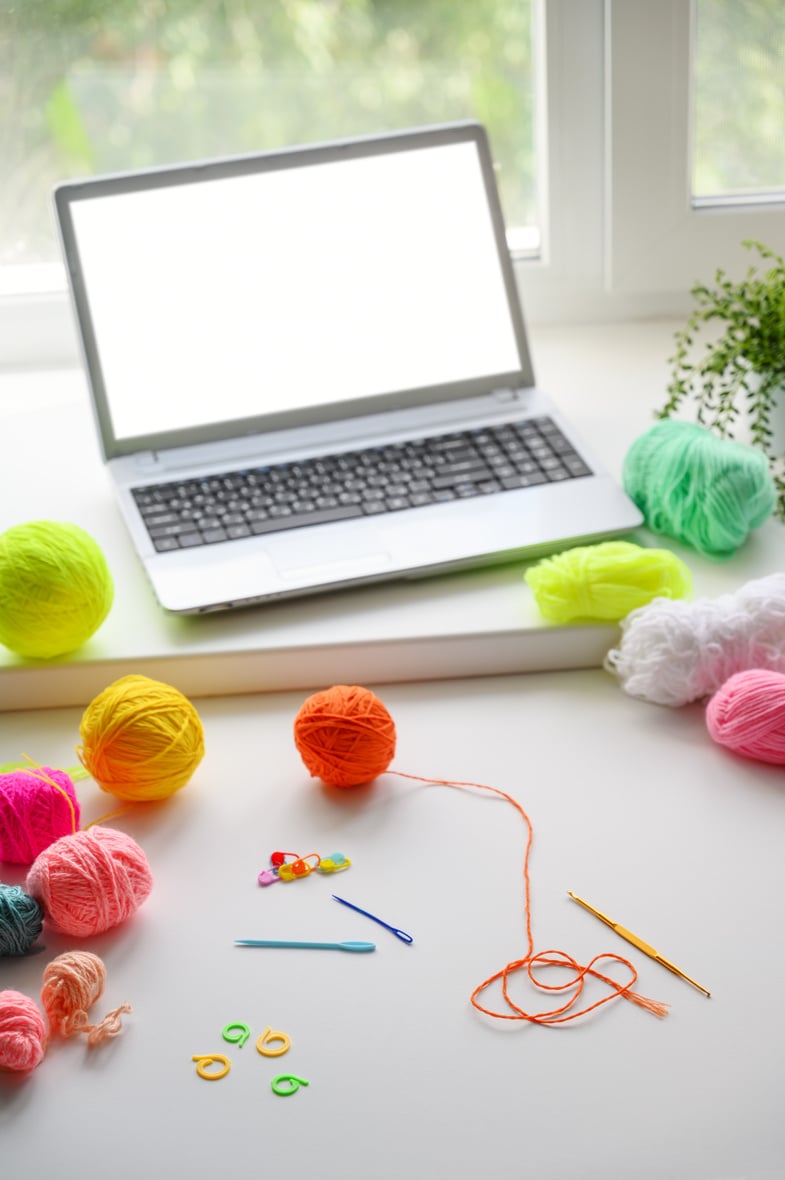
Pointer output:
x,y
649,162
620,238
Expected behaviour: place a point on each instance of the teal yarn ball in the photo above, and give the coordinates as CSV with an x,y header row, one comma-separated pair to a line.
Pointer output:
x,y
21,920
706,491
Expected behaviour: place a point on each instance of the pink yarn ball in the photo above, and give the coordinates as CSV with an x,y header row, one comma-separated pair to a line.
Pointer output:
x,y
748,715
23,1032
34,812
90,881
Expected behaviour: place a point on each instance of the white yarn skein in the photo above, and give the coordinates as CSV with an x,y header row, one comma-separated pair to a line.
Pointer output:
x,y
673,652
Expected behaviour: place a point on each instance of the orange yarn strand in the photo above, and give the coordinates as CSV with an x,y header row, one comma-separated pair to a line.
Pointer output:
x,y
531,962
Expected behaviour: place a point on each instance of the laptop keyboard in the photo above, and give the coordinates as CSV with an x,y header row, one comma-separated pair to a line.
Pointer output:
x,y
255,500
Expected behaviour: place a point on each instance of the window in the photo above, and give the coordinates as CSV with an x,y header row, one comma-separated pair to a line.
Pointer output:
x,y
106,87
738,50
660,236
620,159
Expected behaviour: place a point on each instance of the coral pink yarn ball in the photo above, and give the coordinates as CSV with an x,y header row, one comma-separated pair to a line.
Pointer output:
x,y
23,1032
747,715
37,807
90,881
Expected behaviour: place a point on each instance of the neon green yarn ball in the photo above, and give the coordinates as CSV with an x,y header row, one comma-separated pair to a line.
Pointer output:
x,y
55,588
605,581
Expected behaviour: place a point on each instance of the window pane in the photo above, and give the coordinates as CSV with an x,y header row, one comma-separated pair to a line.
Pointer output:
x,y
91,86
739,98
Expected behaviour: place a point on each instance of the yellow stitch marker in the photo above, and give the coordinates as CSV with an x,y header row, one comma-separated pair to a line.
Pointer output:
x,y
638,942
268,1036
205,1060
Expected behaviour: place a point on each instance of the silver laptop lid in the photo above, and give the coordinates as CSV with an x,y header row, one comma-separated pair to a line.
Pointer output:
x,y
234,296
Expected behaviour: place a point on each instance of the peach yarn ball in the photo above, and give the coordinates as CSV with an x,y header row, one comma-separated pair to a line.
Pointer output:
x,y
345,735
141,739
90,881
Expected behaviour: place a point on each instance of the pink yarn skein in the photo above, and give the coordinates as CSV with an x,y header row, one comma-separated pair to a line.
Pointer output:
x,y
37,807
23,1032
90,881
747,715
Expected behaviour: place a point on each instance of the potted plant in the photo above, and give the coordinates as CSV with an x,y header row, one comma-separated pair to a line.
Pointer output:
x,y
737,382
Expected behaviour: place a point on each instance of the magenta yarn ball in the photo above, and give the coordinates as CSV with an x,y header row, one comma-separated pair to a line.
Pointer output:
x,y
90,881
23,1032
37,807
747,715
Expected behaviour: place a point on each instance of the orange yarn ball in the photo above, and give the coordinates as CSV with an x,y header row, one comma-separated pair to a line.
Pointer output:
x,y
345,735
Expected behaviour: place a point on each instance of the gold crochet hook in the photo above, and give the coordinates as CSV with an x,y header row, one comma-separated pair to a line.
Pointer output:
x,y
638,942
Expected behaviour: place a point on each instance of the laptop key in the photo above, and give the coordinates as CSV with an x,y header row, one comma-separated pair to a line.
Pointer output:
x,y
300,520
171,530
510,482
154,522
476,475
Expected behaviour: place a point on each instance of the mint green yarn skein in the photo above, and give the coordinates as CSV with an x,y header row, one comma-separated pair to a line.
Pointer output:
x,y
705,491
55,588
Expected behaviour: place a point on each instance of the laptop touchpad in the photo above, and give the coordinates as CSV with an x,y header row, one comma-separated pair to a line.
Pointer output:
x,y
313,552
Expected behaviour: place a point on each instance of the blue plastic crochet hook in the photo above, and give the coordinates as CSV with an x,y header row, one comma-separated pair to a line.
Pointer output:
x,y
404,937
319,946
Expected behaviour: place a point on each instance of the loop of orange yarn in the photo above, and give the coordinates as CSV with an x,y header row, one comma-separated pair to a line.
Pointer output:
x,y
531,961
345,735
141,739
71,985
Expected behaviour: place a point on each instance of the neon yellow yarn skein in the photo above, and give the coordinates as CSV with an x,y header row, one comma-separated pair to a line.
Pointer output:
x,y
605,581
141,739
55,588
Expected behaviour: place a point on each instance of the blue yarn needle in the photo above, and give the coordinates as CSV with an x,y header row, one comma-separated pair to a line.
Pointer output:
x,y
319,946
404,937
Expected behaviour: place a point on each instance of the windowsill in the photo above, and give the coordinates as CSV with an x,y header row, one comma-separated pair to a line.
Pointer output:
x,y
607,378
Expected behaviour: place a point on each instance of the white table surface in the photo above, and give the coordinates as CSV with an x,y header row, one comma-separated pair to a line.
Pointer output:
x,y
633,807
607,378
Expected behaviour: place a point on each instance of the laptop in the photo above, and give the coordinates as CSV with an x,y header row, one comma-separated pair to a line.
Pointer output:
x,y
309,370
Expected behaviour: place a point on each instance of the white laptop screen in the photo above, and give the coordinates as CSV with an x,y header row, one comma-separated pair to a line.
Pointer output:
x,y
260,293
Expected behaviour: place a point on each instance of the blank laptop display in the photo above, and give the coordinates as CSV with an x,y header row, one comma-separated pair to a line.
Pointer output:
x,y
309,370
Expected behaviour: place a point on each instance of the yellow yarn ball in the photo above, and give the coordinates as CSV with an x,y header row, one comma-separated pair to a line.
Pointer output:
x,y
55,588
606,581
141,739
